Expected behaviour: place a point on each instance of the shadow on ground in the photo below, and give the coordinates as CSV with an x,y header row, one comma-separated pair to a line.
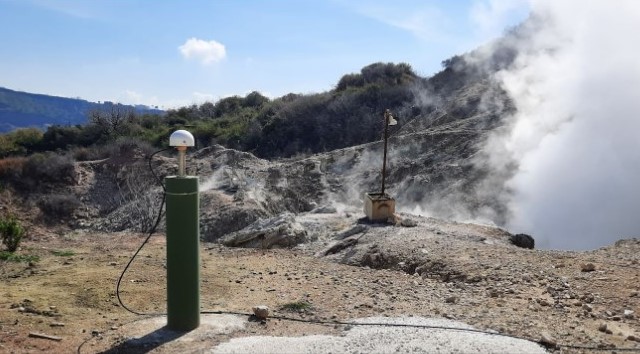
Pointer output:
x,y
147,342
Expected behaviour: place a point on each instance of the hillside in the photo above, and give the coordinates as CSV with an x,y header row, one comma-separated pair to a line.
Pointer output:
x,y
23,109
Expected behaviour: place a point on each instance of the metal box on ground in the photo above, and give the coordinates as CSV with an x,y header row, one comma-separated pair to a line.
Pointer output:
x,y
379,207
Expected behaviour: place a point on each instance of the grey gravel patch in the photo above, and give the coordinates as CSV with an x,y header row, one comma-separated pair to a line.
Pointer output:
x,y
387,339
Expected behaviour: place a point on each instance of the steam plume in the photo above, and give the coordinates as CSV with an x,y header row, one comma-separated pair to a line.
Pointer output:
x,y
576,133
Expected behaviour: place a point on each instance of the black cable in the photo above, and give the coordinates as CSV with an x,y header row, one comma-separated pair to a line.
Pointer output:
x,y
406,325
153,172
604,348
471,330
151,232
83,343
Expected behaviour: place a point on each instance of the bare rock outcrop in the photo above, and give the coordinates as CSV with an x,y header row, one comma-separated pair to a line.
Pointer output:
x,y
523,240
276,232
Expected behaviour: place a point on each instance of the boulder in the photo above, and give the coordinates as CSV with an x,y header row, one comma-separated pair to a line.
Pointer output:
x,y
261,311
278,231
522,240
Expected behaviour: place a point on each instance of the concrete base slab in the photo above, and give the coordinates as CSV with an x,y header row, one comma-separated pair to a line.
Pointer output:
x,y
215,335
387,339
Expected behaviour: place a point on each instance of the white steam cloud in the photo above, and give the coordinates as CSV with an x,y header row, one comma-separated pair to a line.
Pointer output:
x,y
576,133
207,52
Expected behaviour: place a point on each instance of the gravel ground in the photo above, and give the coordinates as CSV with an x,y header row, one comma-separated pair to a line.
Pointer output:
x,y
386,339
436,270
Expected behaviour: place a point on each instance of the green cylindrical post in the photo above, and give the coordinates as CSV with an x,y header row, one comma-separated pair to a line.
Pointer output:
x,y
183,253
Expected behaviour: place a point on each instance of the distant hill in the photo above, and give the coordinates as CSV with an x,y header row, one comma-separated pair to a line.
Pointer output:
x,y
23,109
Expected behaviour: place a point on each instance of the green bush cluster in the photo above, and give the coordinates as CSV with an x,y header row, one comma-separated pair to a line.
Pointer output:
x,y
63,253
11,232
40,170
20,142
298,306
388,74
36,172
14,257
103,127
293,124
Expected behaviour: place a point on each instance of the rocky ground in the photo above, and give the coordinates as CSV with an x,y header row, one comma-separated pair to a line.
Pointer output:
x,y
348,269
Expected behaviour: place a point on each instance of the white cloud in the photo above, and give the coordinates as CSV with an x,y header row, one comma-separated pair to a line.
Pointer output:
x,y
196,98
423,21
433,22
207,52
132,96
203,97
426,24
80,9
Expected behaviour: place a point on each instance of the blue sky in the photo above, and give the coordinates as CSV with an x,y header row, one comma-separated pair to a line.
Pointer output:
x,y
173,53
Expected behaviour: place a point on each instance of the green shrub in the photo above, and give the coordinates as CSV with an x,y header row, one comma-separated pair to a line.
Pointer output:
x,y
63,253
37,171
12,257
122,147
60,137
11,232
21,141
127,146
298,306
42,169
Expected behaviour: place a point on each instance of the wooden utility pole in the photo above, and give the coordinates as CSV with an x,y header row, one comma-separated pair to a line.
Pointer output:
x,y
380,207
387,119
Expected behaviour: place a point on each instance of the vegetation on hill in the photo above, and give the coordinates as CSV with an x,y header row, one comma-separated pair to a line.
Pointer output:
x,y
23,109
348,115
